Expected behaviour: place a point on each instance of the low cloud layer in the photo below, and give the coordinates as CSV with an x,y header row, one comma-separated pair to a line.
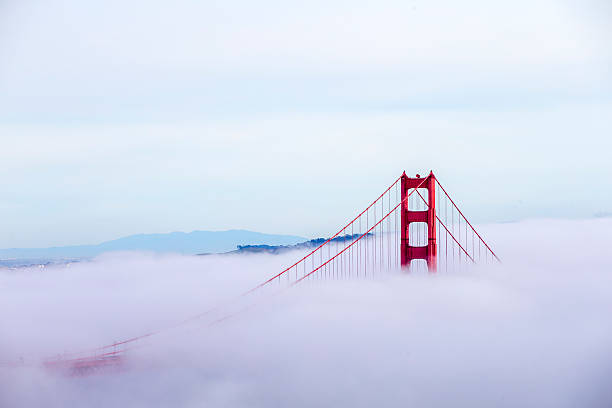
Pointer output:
x,y
533,332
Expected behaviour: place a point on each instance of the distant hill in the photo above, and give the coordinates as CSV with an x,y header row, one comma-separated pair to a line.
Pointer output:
x,y
278,249
189,243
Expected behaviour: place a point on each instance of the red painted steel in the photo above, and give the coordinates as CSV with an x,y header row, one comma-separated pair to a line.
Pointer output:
x,y
469,223
455,239
403,201
366,249
409,252
324,243
78,367
432,243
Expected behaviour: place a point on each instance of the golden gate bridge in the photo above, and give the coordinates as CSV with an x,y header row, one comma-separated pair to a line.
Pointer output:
x,y
414,225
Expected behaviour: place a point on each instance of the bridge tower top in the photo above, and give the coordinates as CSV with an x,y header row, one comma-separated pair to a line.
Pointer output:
x,y
410,251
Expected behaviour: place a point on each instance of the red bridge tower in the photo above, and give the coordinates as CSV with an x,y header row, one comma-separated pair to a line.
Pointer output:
x,y
409,252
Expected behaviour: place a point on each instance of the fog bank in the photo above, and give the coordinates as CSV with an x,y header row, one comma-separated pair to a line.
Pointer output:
x,y
533,332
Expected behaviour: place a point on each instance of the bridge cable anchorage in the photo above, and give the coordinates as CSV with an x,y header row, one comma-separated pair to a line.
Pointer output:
x,y
362,253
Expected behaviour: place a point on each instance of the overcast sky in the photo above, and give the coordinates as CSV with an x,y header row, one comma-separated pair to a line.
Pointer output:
x,y
290,117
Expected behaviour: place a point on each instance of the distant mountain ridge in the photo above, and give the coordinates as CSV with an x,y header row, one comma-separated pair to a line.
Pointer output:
x,y
189,243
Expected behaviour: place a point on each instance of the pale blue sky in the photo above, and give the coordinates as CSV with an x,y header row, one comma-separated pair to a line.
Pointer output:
x,y
128,117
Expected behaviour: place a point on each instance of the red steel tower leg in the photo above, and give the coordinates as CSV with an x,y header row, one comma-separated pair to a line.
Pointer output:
x,y
404,261
408,251
432,242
